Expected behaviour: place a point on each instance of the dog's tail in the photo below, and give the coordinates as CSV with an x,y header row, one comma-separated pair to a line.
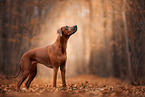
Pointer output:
x,y
8,77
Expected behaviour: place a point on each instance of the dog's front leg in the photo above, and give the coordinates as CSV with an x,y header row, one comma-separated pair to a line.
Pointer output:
x,y
63,70
55,69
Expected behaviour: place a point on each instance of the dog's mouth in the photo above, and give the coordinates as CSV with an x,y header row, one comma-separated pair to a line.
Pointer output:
x,y
74,29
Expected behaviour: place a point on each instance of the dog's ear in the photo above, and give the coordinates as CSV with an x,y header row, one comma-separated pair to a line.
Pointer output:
x,y
59,32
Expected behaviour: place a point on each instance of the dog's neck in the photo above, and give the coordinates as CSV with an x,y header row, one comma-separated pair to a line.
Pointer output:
x,y
61,43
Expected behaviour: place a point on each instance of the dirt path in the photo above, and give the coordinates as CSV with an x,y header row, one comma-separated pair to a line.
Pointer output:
x,y
81,86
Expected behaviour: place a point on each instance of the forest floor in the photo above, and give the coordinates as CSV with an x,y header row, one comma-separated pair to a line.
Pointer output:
x,y
80,86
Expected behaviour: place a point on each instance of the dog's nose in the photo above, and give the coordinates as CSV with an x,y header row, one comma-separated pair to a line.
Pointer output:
x,y
75,25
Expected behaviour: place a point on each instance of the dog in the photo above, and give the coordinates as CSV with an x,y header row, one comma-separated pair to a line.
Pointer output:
x,y
52,56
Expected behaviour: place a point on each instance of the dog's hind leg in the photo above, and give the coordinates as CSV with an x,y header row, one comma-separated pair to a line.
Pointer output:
x,y
24,76
32,74
25,66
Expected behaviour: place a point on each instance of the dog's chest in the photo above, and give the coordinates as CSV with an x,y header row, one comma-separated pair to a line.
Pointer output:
x,y
58,59
61,59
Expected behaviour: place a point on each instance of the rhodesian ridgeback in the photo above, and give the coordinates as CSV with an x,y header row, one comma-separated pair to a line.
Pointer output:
x,y
52,56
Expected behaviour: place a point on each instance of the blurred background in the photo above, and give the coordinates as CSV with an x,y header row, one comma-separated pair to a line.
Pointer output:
x,y
110,41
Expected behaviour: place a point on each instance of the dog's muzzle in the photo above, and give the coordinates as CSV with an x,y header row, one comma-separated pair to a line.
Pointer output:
x,y
74,29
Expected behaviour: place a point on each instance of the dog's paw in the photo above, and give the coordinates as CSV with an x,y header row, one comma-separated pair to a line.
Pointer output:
x,y
64,87
24,89
54,89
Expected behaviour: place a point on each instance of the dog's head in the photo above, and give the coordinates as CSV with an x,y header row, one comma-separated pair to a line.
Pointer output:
x,y
67,31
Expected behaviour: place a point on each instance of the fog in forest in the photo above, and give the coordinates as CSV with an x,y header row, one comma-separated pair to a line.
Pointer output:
x,y
109,41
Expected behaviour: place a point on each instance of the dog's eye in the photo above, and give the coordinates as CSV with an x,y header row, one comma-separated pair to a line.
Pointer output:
x,y
66,28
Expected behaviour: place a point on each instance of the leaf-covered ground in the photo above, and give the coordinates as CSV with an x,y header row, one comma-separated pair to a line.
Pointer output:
x,y
81,86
